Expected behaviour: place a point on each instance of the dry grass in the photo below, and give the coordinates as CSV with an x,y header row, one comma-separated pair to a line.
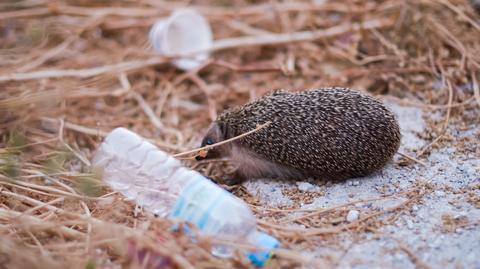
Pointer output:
x,y
70,71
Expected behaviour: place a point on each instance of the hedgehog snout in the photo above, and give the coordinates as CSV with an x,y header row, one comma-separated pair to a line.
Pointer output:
x,y
213,135
211,154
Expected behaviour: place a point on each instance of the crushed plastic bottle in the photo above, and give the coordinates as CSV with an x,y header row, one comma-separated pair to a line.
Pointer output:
x,y
160,184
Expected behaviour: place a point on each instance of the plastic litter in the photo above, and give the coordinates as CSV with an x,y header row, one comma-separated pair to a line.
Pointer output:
x,y
183,32
159,183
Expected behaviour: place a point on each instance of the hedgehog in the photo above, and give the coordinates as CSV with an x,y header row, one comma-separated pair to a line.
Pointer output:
x,y
326,133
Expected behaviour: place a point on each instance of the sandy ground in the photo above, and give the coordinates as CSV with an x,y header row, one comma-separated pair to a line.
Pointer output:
x,y
422,229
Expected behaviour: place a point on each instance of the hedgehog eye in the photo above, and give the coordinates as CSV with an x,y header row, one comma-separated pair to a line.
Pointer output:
x,y
209,141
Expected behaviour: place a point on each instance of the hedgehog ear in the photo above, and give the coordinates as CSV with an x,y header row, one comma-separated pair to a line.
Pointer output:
x,y
278,92
223,128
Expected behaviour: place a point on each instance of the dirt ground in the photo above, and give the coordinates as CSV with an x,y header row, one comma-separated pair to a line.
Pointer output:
x,y
71,71
441,229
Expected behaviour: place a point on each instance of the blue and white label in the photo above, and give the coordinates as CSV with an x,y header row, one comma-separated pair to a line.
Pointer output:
x,y
197,202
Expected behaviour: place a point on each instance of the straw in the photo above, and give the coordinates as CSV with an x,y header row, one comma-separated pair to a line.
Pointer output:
x,y
71,73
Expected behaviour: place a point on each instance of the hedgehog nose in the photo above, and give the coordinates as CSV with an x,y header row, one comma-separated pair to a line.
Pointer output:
x,y
199,158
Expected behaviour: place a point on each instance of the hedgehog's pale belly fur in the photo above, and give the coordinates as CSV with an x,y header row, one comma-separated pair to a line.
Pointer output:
x,y
251,165
331,133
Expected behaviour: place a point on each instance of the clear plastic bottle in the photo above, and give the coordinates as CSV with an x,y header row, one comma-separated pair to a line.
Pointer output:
x,y
160,184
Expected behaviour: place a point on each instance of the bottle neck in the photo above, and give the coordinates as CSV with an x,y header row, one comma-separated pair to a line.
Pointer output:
x,y
265,244
253,237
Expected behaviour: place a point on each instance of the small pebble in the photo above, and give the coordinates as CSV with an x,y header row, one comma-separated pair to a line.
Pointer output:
x,y
440,193
461,214
409,224
305,186
352,215
356,183
469,170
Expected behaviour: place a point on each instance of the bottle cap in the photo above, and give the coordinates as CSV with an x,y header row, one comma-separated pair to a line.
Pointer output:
x,y
267,243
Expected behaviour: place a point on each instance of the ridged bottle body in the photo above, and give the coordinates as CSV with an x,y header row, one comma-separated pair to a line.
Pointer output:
x,y
160,184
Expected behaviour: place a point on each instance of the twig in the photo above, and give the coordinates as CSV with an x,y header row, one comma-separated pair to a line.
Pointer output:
x,y
460,13
419,264
165,9
82,244
81,11
445,124
191,72
302,230
205,89
28,145
148,110
247,29
229,43
388,44
45,188
453,41
83,73
223,142
299,258
411,158
54,201
10,215
89,226
428,106
78,128
87,218
44,57
163,99
28,189
284,38
37,242
24,13
317,212
182,262
100,133
249,68
330,230
83,159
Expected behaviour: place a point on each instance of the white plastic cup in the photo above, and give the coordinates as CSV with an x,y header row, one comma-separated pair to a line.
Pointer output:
x,y
183,32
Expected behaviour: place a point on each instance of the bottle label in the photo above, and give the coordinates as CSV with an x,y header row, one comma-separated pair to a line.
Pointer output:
x,y
197,201
203,204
